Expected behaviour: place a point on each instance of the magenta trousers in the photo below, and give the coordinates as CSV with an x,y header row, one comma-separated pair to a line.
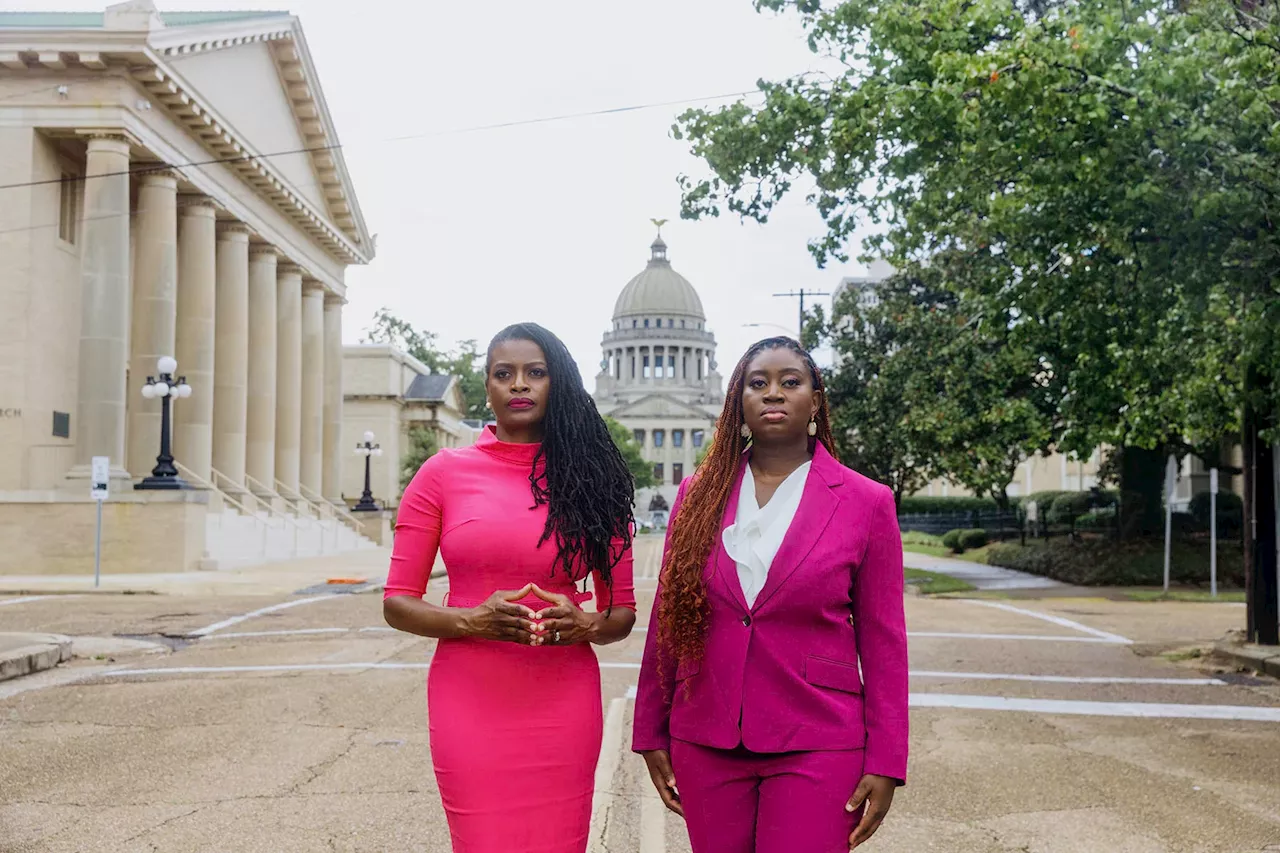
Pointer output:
x,y
737,801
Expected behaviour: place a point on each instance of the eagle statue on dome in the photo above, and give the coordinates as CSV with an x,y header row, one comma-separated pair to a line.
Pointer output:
x,y
659,223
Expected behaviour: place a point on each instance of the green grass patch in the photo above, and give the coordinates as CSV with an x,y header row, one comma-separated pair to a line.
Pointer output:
x,y
932,583
1235,596
931,550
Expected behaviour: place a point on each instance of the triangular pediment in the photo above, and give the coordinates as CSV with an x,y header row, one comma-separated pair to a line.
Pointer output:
x,y
660,406
266,119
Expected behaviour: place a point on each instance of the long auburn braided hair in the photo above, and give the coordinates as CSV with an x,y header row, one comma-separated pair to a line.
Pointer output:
x,y
578,472
683,605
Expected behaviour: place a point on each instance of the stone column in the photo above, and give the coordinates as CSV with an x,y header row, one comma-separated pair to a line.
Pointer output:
x,y
155,313
99,423
310,469
260,444
197,303
288,375
331,479
231,355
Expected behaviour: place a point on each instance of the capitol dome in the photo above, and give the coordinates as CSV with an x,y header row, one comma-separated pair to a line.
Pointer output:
x,y
658,291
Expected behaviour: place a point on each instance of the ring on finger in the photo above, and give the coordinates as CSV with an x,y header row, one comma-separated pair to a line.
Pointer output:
x,y
555,638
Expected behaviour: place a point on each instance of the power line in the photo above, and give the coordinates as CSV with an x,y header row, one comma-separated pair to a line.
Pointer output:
x,y
241,158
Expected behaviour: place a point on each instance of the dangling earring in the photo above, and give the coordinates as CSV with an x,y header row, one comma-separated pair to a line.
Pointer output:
x,y
746,432
813,426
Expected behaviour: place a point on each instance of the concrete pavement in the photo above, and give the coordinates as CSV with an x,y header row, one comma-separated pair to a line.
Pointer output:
x,y
980,575
1062,725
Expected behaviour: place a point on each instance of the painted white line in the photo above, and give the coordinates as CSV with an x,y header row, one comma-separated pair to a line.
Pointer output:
x,y
295,631
24,599
291,667
653,821
1057,620
632,692
606,768
378,628
957,635
55,677
1096,709
236,620
960,635
618,665
1066,679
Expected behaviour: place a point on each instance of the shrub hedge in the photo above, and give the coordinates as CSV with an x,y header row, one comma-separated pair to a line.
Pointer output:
x,y
912,505
951,539
972,539
1110,563
1230,512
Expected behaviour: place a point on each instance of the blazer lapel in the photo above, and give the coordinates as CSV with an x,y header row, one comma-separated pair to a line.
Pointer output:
x,y
723,568
818,504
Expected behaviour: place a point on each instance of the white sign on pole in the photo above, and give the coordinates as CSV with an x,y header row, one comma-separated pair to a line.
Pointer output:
x,y
101,475
1213,481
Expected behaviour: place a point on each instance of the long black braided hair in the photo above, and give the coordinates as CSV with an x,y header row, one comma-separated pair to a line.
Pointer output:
x,y
585,482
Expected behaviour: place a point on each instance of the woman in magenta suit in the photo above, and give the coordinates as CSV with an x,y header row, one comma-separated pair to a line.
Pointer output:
x,y
772,704
538,504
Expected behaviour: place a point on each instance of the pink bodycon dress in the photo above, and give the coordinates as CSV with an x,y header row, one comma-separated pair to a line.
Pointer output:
x,y
515,730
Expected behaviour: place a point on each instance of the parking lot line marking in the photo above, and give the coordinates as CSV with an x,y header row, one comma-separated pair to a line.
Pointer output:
x,y
1066,679
606,768
294,631
287,667
1066,638
236,620
1056,620
24,599
1095,709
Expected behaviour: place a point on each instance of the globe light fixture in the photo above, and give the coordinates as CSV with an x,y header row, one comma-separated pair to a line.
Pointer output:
x,y
368,449
167,388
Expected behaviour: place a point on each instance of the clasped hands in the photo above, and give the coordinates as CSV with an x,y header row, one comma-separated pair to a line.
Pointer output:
x,y
501,618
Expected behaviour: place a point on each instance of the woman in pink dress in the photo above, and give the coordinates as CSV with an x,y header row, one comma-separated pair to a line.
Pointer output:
x,y
539,503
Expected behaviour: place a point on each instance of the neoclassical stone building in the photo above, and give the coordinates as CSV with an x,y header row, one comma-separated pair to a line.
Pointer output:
x,y
170,184
659,376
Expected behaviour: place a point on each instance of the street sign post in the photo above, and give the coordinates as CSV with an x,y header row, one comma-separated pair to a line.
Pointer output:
x,y
1170,480
1213,532
98,489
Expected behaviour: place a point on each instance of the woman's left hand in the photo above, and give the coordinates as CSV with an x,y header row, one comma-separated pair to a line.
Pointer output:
x,y
564,623
877,793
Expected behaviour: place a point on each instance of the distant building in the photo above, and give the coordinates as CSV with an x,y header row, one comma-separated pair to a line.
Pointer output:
x,y
658,376
390,393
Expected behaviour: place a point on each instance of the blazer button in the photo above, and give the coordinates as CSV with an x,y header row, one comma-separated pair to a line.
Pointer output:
x,y
746,620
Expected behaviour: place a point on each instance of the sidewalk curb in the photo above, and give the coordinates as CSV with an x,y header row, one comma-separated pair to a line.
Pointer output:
x,y
1264,659
38,653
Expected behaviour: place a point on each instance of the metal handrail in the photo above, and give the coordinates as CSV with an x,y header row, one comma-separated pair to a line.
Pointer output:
x,y
201,481
336,511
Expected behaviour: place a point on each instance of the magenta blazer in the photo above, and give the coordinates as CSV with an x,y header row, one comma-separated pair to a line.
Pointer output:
x,y
784,675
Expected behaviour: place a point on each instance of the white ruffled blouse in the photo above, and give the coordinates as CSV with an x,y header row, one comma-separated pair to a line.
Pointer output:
x,y
757,532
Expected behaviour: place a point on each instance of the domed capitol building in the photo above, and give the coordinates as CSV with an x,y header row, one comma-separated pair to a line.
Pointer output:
x,y
658,376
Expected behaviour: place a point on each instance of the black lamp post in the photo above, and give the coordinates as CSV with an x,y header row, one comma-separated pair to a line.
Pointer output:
x,y
167,388
368,450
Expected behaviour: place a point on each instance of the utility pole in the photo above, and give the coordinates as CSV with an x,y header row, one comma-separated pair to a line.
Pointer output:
x,y
1263,611
802,293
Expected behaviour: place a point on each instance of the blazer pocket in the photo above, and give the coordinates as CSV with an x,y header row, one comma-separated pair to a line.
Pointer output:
x,y
687,669
836,675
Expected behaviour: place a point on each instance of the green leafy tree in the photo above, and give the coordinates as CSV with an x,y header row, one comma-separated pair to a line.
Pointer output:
x,y
1099,177
641,470
422,446
466,362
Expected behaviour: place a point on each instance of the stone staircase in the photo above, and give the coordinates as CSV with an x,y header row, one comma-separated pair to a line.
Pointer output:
x,y
250,528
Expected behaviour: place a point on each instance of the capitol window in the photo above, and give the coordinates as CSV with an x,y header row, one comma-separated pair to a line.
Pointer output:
x,y
646,322
677,438
697,436
639,436
658,436
659,322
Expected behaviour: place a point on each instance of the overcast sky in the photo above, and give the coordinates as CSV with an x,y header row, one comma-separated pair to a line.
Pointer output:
x,y
544,222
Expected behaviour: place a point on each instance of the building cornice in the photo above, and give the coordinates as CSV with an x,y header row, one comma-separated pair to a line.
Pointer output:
x,y
143,56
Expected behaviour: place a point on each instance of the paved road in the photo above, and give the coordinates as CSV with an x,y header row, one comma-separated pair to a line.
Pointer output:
x,y
298,723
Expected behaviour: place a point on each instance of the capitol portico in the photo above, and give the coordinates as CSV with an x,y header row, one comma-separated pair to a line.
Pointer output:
x,y
658,376
171,184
